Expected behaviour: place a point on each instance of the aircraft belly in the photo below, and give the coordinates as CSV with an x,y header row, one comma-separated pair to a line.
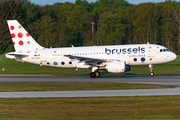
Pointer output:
x,y
31,61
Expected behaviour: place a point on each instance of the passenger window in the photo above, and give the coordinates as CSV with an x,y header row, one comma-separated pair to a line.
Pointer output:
x,y
160,50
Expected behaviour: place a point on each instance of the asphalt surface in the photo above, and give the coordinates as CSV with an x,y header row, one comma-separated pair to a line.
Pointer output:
x,y
91,93
142,79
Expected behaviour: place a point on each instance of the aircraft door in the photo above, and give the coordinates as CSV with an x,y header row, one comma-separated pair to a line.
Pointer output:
x,y
150,51
43,56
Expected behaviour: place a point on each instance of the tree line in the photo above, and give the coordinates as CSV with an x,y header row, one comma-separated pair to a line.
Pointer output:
x,y
115,22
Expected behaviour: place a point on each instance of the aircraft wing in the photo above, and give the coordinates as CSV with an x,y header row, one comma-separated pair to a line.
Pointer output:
x,y
87,60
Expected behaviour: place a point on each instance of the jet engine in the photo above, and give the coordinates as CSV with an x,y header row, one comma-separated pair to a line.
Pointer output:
x,y
116,67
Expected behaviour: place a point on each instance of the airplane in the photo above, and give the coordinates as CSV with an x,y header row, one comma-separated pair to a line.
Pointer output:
x,y
112,58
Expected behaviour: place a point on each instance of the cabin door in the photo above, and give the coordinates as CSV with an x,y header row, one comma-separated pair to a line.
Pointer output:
x,y
43,56
150,52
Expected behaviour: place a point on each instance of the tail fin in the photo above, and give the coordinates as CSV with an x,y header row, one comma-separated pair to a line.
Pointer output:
x,y
22,40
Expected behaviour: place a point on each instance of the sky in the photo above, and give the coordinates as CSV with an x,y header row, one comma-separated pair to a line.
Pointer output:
x,y
51,2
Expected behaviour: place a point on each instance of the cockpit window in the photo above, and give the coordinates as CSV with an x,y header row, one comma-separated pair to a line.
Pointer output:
x,y
164,50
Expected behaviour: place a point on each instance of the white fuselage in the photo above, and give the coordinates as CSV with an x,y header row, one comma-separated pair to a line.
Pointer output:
x,y
138,54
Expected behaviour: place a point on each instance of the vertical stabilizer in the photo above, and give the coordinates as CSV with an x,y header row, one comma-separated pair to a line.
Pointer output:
x,y
22,40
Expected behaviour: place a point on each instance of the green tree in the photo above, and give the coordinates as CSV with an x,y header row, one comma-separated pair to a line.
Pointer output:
x,y
82,5
176,11
30,13
109,5
75,24
87,33
145,22
127,16
112,29
168,27
9,10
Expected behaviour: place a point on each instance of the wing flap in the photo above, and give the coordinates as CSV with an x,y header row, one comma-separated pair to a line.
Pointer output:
x,y
86,59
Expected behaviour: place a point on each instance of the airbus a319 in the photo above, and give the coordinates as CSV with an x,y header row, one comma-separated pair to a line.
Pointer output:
x,y
113,58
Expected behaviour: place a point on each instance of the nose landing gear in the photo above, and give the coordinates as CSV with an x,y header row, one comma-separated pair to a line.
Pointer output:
x,y
151,72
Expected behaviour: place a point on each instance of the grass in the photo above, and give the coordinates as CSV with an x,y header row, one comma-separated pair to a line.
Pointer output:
x,y
15,67
98,108
66,87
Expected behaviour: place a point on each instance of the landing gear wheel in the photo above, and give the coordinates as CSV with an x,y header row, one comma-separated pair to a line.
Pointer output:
x,y
152,73
92,75
97,73
151,68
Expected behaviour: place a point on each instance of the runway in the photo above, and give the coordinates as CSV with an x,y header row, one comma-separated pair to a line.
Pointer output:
x,y
142,79
111,79
91,93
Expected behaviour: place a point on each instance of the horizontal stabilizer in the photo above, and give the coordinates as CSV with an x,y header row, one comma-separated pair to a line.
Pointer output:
x,y
15,55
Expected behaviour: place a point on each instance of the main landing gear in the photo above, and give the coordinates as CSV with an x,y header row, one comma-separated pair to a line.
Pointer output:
x,y
150,68
95,73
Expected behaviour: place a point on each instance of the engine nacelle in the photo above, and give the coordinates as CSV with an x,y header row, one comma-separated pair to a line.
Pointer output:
x,y
116,67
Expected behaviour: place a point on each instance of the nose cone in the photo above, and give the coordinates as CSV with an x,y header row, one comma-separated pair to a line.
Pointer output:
x,y
173,56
